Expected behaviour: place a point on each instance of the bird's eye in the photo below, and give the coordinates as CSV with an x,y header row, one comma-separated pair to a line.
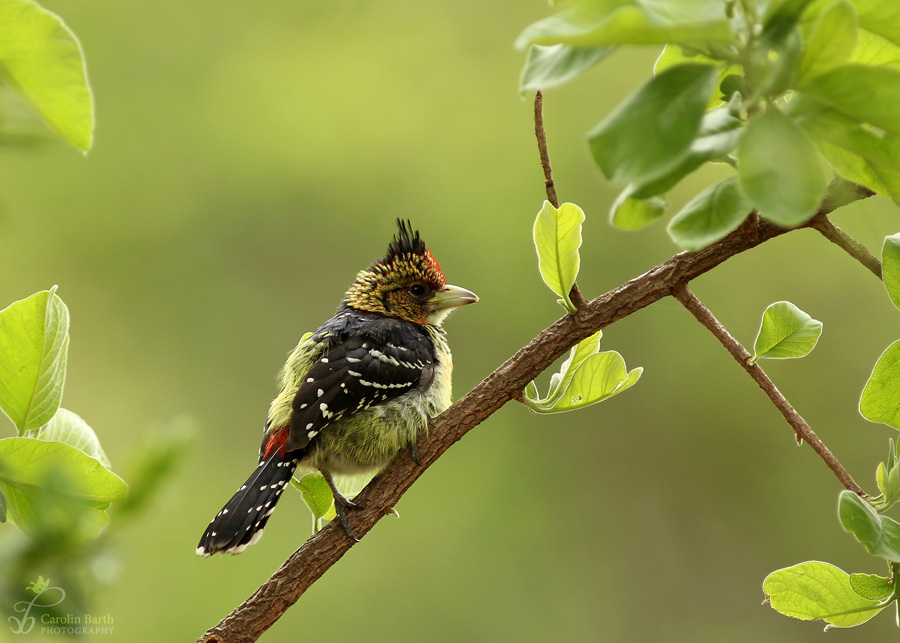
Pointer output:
x,y
417,290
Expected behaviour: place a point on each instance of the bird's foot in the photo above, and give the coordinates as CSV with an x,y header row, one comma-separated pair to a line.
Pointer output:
x,y
342,504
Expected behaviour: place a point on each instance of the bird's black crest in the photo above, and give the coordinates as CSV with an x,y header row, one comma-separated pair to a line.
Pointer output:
x,y
406,241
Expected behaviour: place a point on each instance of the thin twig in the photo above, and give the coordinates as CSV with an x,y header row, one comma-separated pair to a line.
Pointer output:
x,y
683,294
850,245
540,134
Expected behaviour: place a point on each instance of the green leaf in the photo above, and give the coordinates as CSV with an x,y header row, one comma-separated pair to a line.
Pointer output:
x,y
578,355
880,17
69,428
786,332
780,21
780,170
557,238
719,134
815,590
318,497
673,55
872,586
830,40
2,507
41,59
633,214
859,518
857,153
34,341
878,402
549,66
872,49
621,22
780,73
599,378
50,485
854,168
887,475
315,493
650,132
731,84
890,267
888,479
879,534
26,460
710,215
585,378
866,94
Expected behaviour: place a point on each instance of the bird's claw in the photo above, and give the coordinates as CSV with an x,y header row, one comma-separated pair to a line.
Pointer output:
x,y
342,503
339,507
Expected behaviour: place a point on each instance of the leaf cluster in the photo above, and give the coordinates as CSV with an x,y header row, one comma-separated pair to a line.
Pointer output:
x,y
54,476
57,484
799,99
787,92
588,376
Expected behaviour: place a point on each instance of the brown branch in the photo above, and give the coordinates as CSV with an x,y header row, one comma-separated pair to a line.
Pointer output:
x,y
683,294
255,615
850,245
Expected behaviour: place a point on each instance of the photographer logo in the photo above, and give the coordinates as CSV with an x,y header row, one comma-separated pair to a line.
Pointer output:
x,y
46,596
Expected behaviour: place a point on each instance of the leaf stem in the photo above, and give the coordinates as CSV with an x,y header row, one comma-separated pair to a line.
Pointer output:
x,y
804,432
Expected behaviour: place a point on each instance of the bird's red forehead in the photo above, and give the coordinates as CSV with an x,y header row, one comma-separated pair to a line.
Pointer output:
x,y
418,267
432,266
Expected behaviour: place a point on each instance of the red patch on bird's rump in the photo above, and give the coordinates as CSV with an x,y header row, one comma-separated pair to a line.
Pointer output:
x,y
277,440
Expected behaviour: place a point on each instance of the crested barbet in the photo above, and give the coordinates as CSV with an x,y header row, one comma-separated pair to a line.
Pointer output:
x,y
356,391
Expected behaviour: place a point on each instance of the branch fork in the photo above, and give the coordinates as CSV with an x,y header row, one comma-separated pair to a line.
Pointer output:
x,y
248,621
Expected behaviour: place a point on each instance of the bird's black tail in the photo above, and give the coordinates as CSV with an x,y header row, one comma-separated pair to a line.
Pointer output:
x,y
241,520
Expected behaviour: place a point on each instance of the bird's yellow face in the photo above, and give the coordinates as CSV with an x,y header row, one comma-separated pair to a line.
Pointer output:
x,y
407,283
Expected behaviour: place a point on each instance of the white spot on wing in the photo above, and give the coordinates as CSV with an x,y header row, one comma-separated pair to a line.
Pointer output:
x,y
381,357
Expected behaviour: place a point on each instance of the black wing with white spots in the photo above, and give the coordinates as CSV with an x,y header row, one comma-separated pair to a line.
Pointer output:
x,y
360,369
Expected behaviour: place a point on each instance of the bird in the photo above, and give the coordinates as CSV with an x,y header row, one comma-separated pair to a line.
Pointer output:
x,y
355,392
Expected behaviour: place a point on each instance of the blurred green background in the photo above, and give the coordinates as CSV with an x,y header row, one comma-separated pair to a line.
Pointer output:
x,y
248,160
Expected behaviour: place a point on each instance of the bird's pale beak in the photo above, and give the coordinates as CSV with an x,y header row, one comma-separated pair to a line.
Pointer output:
x,y
451,297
